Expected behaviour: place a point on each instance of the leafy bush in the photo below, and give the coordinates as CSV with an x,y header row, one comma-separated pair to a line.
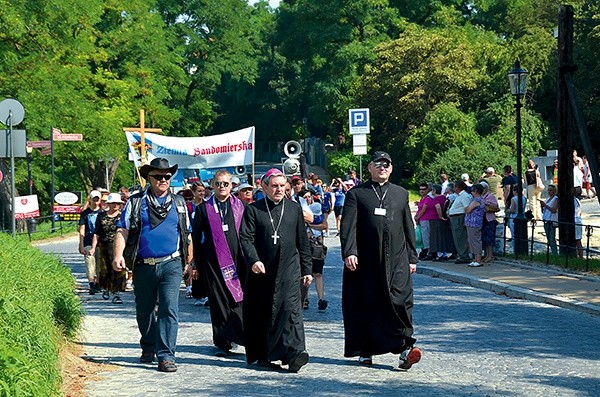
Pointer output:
x,y
342,161
38,308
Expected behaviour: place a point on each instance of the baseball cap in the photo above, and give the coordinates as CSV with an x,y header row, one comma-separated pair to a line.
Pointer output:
x,y
379,155
489,170
114,198
235,180
241,187
95,193
484,184
296,178
464,177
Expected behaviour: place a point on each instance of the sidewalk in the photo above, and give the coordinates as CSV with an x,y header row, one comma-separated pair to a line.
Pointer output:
x,y
517,279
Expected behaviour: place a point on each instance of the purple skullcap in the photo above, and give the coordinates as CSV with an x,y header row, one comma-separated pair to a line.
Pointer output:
x,y
270,173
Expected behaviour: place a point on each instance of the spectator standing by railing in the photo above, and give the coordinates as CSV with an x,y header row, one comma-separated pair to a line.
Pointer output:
x,y
550,217
474,214
456,214
534,189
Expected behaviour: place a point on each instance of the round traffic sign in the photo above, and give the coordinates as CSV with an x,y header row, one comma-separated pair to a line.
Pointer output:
x,y
1,176
14,109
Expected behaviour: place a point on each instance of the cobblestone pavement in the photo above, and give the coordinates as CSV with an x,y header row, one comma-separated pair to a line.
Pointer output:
x,y
474,343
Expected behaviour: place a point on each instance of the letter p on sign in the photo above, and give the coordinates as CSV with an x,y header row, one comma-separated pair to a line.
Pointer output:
x,y
359,121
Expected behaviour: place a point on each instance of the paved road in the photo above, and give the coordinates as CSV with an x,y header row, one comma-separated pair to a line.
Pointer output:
x,y
474,343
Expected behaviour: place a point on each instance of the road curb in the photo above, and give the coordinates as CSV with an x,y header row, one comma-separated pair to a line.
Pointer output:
x,y
509,290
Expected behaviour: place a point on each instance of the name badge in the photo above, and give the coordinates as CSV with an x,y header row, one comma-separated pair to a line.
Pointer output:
x,y
380,211
225,228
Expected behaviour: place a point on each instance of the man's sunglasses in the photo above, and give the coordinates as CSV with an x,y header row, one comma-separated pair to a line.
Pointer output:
x,y
382,164
160,177
221,184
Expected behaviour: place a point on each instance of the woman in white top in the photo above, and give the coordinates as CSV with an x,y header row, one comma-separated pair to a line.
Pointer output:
x,y
550,217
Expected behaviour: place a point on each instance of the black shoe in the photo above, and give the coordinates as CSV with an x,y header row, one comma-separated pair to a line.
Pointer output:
x,y
422,254
322,305
147,358
106,295
167,366
117,300
92,291
224,349
452,257
298,362
365,360
437,259
429,258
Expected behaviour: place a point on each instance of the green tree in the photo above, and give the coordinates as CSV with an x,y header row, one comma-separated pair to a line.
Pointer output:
x,y
84,67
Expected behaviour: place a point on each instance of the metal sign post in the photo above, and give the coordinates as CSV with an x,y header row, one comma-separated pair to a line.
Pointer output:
x,y
11,114
360,127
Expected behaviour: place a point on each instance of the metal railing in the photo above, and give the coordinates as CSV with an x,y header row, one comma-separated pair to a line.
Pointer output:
x,y
537,243
31,226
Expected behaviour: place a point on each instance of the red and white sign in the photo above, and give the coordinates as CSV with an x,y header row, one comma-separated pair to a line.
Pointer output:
x,y
38,144
67,209
46,151
26,207
57,135
1,176
67,203
68,137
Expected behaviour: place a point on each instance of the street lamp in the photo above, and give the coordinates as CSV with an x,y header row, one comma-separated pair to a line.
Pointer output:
x,y
518,87
29,180
31,222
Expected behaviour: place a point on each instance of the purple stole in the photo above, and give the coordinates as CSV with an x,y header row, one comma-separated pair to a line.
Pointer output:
x,y
226,263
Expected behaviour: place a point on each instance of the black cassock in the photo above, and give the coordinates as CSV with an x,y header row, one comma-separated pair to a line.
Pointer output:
x,y
377,298
225,312
272,310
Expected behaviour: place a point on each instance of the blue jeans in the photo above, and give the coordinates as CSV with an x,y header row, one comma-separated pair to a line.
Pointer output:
x,y
152,282
550,230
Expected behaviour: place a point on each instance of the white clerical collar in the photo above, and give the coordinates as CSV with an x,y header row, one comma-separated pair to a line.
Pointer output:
x,y
274,203
380,183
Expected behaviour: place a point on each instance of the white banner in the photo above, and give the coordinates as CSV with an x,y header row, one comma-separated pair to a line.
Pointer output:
x,y
26,207
216,151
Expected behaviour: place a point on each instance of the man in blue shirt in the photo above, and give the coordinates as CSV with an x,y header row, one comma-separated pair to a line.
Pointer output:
x,y
154,238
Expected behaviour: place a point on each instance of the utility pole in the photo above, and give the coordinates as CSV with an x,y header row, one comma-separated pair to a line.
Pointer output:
x,y
564,129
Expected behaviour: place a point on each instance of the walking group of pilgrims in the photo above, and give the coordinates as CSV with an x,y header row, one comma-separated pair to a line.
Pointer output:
x,y
248,253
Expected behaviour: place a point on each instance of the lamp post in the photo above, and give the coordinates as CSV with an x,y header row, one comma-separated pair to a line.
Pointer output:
x,y
29,180
517,78
31,222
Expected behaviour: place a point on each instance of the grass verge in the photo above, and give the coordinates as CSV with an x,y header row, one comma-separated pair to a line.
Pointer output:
x,y
38,310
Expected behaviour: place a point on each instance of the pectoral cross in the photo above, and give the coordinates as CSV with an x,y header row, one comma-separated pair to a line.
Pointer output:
x,y
275,237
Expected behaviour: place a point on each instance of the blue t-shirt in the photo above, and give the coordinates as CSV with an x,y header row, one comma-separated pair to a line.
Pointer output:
x,y
326,202
88,220
340,197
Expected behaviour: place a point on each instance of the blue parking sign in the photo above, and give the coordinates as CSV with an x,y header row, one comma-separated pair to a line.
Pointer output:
x,y
359,121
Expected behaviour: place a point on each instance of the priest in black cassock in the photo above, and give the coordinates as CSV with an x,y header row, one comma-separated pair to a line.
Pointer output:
x,y
379,251
218,256
275,244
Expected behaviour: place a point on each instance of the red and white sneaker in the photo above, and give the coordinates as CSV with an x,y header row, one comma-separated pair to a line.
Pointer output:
x,y
409,357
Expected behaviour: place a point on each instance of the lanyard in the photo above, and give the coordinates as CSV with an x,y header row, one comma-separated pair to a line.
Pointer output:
x,y
382,197
221,213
